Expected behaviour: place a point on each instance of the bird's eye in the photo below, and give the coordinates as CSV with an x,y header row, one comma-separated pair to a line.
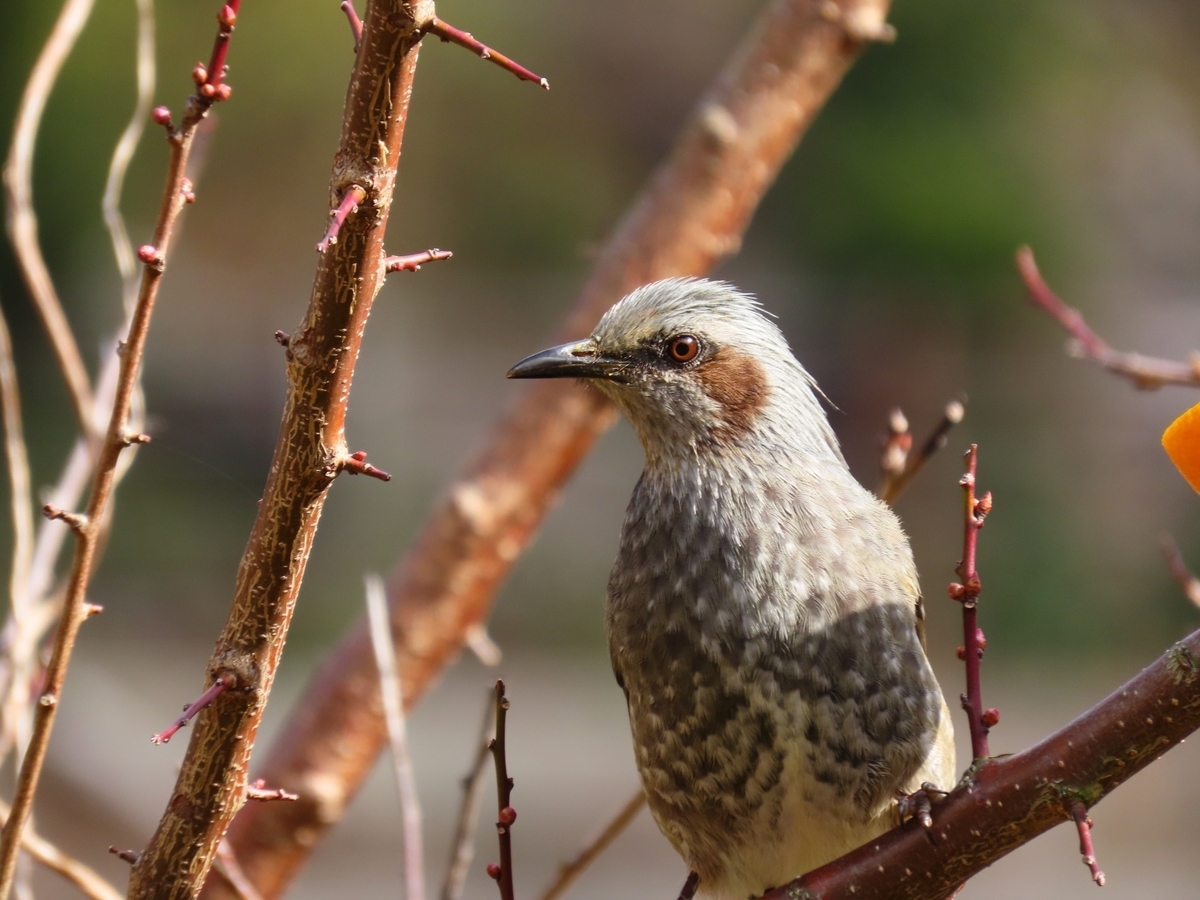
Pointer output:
x,y
683,348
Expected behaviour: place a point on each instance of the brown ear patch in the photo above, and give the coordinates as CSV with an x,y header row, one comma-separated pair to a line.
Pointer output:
x,y
737,383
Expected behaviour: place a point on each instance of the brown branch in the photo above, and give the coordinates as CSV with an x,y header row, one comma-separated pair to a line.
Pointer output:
x,y
22,219
691,215
257,790
1146,372
505,815
898,463
688,891
468,812
967,593
414,261
595,847
1005,802
227,866
1188,582
448,32
311,447
89,527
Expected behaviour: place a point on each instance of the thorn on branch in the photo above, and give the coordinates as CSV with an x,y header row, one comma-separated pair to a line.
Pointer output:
x,y
1145,372
77,522
414,261
356,25
688,891
356,464
92,609
448,32
349,204
224,682
1179,570
257,790
130,856
1083,823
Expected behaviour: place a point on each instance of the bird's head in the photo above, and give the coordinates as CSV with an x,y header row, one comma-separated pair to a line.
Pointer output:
x,y
697,367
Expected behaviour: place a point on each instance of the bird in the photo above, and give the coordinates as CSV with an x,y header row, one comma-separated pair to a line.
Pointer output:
x,y
763,610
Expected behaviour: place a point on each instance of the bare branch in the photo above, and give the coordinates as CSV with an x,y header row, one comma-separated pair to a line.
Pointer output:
x,y
898,463
468,813
355,22
691,214
1083,824
21,217
224,682
1146,372
108,459
596,846
16,454
414,261
1179,569
393,711
89,882
448,32
227,867
506,815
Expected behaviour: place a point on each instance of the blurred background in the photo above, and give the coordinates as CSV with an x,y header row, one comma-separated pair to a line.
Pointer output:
x,y
886,250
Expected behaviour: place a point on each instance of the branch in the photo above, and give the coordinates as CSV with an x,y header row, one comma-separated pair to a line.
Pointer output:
x,y
967,593
691,215
309,452
393,711
1005,802
1146,372
1188,582
90,527
448,32
595,847
506,815
898,463
89,882
22,219
468,813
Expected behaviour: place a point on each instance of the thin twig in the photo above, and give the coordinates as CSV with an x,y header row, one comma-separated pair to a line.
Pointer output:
x,y
89,882
355,22
596,846
258,791
115,441
122,154
468,813
16,454
230,869
414,261
393,710
1146,372
448,32
1083,824
506,815
1179,569
900,465
22,219
353,196
967,593
223,682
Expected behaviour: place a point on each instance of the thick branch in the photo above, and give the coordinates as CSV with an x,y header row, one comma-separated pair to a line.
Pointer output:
x,y
691,215
321,357
1146,372
1007,801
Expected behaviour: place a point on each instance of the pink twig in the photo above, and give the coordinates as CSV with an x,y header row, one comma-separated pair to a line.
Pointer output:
x,y
448,32
1147,373
257,790
211,86
349,204
355,22
413,261
967,593
1083,823
224,682
356,464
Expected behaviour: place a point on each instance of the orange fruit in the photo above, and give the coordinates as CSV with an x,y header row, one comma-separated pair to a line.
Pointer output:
x,y
1181,440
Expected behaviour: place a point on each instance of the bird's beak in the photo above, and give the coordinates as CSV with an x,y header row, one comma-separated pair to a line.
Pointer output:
x,y
578,360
